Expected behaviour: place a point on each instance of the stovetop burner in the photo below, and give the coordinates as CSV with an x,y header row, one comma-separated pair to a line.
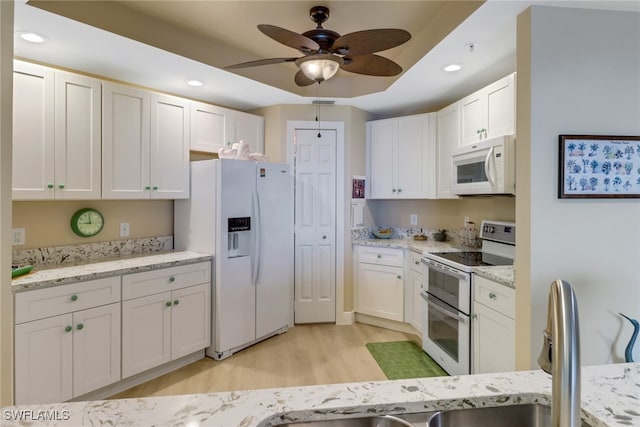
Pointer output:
x,y
474,259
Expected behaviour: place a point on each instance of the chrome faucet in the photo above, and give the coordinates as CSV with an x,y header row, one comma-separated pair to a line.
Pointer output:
x,y
560,355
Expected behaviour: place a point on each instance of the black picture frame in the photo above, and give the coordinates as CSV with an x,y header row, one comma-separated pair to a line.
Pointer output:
x,y
598,167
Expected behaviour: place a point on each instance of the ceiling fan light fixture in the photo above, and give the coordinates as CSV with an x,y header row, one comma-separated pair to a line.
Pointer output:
x,y
319,67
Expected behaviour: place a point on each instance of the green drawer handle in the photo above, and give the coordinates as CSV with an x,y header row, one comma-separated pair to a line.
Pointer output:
x,y
172,279
68,329
399,276
60,185
155,187
74,297
147,187
176,302
79,326
168,303
49,185
492,295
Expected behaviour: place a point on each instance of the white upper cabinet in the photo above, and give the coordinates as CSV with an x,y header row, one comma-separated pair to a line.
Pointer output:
x,y
215,127
56,134
448,133
401,157
145,144
245,127
207,127
169,155
489,112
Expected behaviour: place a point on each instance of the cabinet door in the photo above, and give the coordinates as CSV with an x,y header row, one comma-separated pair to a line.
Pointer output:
x,y
448,133
146,333
44,360
473,117
416,301
169,154
125,142
501,107
245,127
382,158
96,348
33,132
77,137
190,320
207,127
380,291
494,348
416,157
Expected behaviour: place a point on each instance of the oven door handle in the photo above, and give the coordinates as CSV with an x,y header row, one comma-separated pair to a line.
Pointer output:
x,y
444,311
448,272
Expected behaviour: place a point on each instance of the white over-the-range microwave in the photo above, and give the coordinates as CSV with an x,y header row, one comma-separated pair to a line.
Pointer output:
x,y
486,167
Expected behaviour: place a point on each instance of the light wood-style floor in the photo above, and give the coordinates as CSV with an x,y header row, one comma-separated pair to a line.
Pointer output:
x,y
304,355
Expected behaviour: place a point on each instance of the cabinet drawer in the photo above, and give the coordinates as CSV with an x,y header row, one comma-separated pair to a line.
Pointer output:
x,y
41,303
414,260
381,256
167,279
499,297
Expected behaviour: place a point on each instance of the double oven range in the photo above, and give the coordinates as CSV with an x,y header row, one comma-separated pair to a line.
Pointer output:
x,y
447,292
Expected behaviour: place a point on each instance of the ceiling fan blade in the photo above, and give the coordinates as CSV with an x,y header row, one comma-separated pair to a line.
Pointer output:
x,y
371,65
369,41
289,38
302,80
259,62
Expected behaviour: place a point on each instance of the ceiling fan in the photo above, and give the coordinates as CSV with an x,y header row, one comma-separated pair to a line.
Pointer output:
x,y
326,51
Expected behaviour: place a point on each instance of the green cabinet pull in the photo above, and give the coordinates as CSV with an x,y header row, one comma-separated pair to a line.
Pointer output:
x,y
79,326
74,297
49,185
176,302
399,276
168,303
60,185
147,187
172,279
155,187
68,329
492,295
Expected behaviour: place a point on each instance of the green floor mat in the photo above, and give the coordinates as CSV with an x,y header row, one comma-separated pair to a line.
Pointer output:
x,y
404,359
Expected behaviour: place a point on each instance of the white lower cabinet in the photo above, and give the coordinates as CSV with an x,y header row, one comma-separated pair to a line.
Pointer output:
x,y
63,349
379,282
166,314
494,327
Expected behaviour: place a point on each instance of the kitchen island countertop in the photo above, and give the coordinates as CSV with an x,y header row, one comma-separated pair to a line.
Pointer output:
x,y
48,277
609,398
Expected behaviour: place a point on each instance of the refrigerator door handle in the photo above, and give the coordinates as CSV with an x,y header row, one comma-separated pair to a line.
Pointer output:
x,y
259,238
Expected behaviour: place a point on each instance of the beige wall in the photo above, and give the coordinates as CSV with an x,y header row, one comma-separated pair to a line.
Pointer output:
x,y
447,214
48,223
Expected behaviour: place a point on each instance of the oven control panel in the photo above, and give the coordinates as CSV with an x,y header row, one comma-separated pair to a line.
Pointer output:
x,y
498,231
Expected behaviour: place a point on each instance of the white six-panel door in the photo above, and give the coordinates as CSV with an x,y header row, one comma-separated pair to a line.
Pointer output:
x,y
315,225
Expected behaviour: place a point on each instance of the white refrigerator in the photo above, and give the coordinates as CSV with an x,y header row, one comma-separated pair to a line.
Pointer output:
x,y
241,212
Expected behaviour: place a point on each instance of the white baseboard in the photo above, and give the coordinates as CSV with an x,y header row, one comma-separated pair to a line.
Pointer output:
x,y
346,318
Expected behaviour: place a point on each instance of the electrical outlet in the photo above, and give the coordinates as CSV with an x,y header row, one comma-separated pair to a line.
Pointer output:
x,y
19,236
124,229
414,219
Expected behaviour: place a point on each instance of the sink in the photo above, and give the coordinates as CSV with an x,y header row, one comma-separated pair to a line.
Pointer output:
x,y
419,419
529,415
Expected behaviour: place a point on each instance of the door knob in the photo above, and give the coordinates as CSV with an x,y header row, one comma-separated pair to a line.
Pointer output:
x,y
324,237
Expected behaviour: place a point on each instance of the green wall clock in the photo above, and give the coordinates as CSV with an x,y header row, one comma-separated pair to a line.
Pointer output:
x,y
87,222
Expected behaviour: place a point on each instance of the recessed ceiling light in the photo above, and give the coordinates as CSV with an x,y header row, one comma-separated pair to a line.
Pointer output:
x,y
194,83
32,37
452,67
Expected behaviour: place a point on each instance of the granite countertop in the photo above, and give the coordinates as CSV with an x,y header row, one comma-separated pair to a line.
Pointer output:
x,y
47,277
503,274
609,398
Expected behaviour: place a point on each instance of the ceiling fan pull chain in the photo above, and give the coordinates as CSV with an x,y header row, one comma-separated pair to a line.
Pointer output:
x,y
318,111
